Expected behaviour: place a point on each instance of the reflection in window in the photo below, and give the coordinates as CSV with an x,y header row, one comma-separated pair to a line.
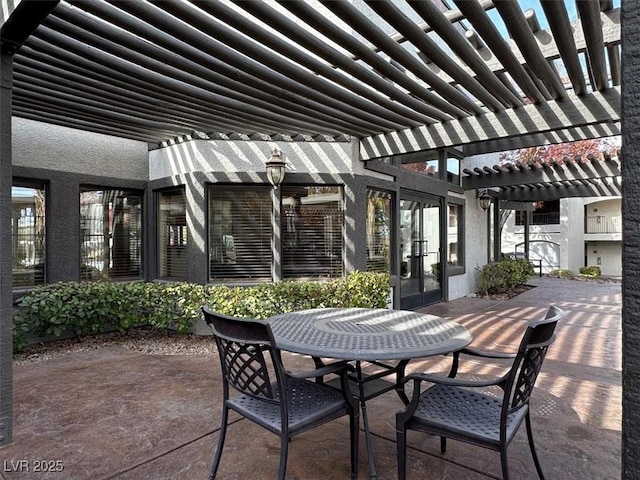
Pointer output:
x,y
28,235
110,234
240,232
378,231
312,230
453,170
425,162
454,236
426,167
172,234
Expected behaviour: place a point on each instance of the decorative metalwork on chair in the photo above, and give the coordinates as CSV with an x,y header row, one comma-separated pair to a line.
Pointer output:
x,y
282,402
458,409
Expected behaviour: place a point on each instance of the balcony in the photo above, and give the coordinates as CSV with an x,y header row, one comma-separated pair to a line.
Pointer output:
x,y
539,218
603,224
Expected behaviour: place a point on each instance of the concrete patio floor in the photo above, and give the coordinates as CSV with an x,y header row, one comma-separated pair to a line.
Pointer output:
x,y
114,413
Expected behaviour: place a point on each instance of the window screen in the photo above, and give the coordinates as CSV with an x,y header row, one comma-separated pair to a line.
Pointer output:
x,y
312,231
378,231
240,232
28,235
110,234
172,234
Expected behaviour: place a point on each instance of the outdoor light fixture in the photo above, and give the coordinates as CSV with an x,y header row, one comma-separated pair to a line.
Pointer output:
x,y
276,168
484,199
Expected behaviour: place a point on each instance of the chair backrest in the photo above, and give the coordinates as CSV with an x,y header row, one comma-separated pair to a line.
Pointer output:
x,y
241,346
528,362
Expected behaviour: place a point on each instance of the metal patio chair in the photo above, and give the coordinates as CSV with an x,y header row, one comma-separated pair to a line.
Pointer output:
x,y
284,403
459,409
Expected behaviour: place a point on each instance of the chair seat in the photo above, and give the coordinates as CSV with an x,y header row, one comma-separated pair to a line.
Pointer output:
x,y
465,414
308,403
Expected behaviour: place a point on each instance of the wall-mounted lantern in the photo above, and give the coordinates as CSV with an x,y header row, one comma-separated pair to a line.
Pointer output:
x,y
484,199
276,167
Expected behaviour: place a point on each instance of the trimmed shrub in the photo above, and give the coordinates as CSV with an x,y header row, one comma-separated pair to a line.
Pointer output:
x,y
593,272
561,273
87,308
502,276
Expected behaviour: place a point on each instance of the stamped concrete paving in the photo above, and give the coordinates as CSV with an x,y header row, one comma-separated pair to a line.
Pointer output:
x,y
116,413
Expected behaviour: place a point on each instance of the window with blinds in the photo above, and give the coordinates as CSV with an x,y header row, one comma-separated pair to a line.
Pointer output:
x,y
312,231
110,234
240,232
378,231
28,234
455,225
172,234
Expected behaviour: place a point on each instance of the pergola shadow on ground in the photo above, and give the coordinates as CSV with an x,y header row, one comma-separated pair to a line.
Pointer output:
x,y
117,413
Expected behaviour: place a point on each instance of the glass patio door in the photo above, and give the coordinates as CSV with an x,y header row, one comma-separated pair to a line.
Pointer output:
x,y
420,264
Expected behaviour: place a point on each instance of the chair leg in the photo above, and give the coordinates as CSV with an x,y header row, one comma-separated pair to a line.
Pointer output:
x,y
443,445
284,452
221,437
401,451
354,423
533,447
503,461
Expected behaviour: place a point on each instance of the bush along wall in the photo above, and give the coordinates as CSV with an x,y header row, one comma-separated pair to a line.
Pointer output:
x,y
502,276
85,308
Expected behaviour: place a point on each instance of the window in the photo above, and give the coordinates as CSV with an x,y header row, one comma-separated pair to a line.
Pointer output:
x,y
110,234
172,234
240,232
378,231
453,170
545,213
312,230
28,234
426,163
455,247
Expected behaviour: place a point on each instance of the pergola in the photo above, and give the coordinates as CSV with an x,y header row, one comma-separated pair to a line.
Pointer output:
x,y
400,77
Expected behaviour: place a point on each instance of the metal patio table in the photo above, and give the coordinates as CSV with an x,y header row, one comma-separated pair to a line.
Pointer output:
x,y
369,335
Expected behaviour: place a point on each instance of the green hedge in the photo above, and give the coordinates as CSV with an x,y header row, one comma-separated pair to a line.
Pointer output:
x,y
561,273
502,276
92,307
592,272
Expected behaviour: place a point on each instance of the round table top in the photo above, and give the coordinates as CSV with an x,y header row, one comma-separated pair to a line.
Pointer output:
x,y
367,333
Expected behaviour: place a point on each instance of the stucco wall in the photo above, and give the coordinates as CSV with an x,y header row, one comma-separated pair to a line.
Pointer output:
x,y
572,240
51,147
475,249
233,156
606,255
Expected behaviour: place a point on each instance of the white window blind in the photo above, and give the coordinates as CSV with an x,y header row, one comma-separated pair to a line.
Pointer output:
x,y
240,232
312,231
172,234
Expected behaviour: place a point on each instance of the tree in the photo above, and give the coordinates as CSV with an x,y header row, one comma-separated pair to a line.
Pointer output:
x,y
561,151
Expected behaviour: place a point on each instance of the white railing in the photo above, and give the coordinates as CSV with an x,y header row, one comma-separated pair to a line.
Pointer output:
x,y
604,224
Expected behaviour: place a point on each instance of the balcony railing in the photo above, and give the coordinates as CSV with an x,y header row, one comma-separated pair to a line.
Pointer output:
x,y
539,218
603,224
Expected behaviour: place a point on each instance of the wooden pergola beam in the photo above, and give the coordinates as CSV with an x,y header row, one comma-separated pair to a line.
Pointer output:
x,y
599,107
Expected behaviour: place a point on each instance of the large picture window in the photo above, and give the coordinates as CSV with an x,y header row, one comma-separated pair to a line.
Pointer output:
x,y
28,235
240,232
312,231
378,231
111,234
172,234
